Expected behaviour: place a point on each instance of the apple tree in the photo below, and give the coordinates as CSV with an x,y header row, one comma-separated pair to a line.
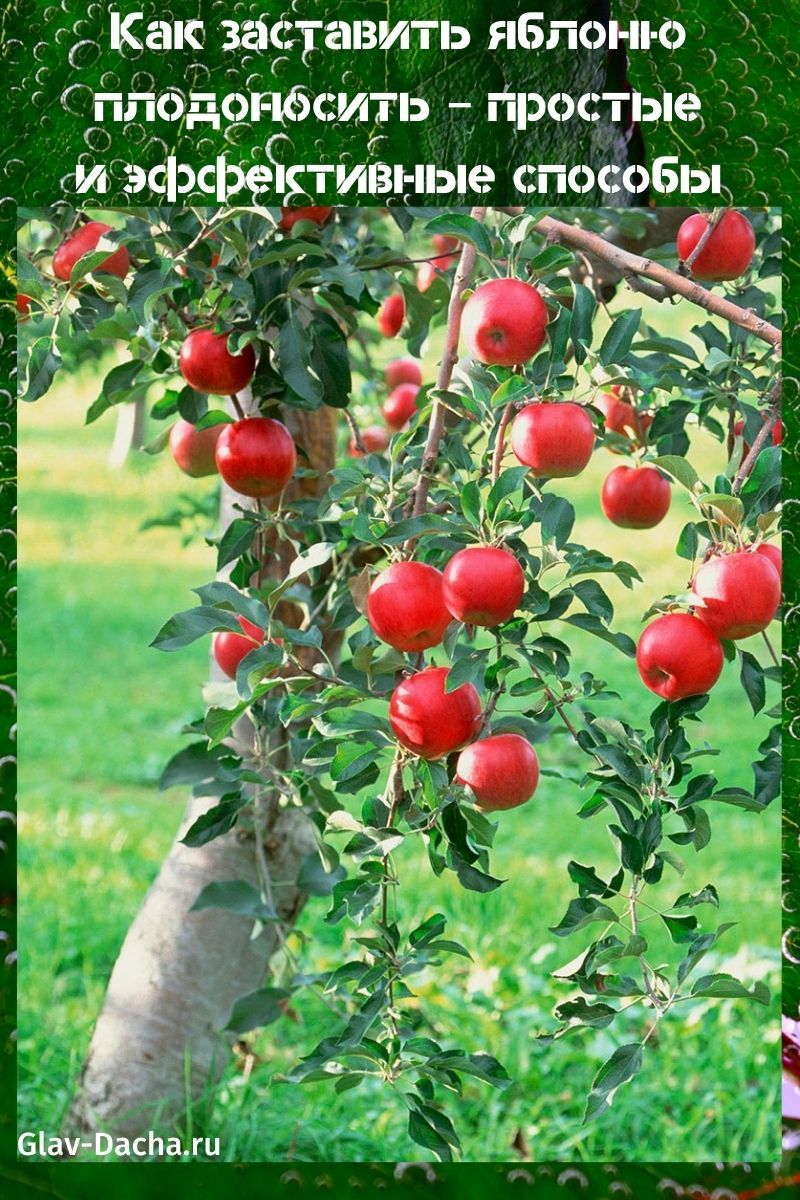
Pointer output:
x,y
392,628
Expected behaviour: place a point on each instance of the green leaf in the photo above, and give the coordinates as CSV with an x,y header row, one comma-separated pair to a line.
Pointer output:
x,y
581,912
700,946
620,1068
619,338
724,986
594,599
579,1014
594,625
186,627
117,387
513,388
583,310
314,880
150,284
681,929
424,1134
330,360
355,898
509,482
257,1009
350,760
557,517
294,351
753,682
471,503
465,228
472,879
192,765
707,895
215,822
728,509
236,896
688,542
468,669
680,469
235,541
43,363
316,556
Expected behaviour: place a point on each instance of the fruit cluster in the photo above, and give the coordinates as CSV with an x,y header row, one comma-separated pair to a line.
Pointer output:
x,y
735,593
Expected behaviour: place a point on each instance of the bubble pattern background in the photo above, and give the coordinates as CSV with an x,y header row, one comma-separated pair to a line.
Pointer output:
x,y
744,64
65,57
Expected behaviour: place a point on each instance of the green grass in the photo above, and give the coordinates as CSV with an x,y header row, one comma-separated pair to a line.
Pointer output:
x,y
101,713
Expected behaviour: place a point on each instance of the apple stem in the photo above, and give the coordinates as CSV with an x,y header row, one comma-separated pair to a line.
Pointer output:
x,y
234,399
466,265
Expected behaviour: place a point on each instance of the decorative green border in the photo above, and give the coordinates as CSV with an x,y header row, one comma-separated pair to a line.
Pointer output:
x,y
743,65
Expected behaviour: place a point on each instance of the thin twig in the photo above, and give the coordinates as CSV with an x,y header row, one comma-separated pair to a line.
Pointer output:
x,y
449,358
763,436
500,443
355,431
771,649
689,262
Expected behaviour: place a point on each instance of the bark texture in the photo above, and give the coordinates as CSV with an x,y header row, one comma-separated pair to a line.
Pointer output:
x,y
157,1045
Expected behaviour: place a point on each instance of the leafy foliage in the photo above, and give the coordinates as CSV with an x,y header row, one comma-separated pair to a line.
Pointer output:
x,y
301,299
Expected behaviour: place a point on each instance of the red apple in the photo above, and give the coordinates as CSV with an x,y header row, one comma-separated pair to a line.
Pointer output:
x,y
429,721
23,304
503,771
375,439
318,213
426,275
679,656
400,405
405,607
84,239
504,322
403,370
256,456
736,595
622,418
554,440
207,364
635,497
728,252
391,315
483,585
773,554
194,450
231,648
444,244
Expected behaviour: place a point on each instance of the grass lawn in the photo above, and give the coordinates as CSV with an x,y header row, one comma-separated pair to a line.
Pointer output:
x,y
100,715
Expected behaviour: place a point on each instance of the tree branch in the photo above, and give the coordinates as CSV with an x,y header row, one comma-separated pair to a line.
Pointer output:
x,y
689,262
644,269
464,271
763,436
354,431
651,277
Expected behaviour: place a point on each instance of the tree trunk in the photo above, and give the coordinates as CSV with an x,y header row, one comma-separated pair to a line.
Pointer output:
x,y
129,433
157,1043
